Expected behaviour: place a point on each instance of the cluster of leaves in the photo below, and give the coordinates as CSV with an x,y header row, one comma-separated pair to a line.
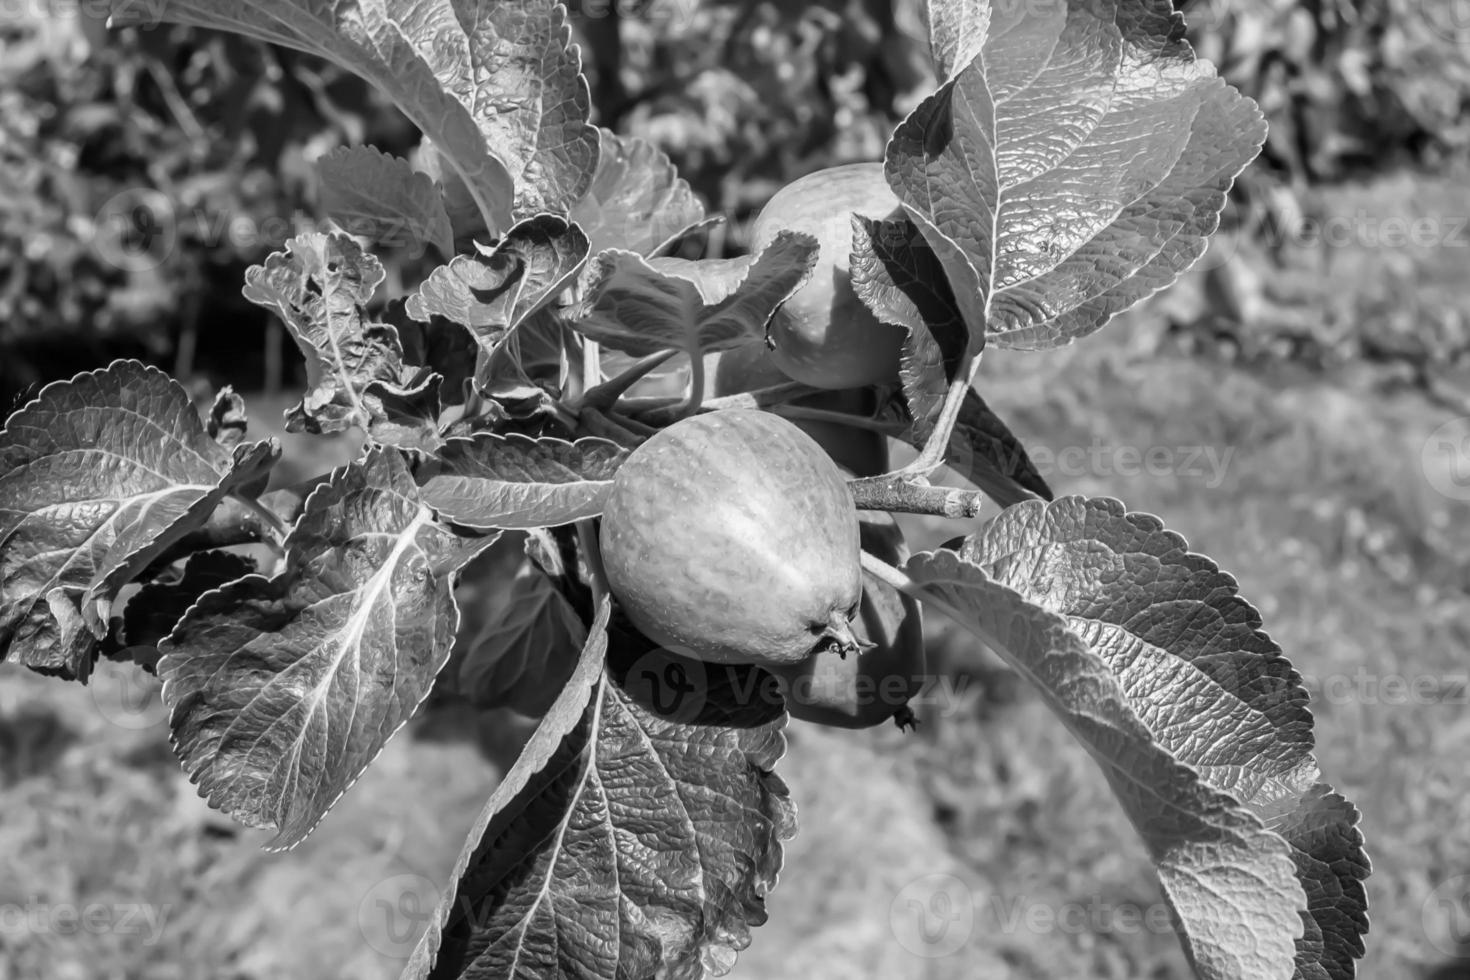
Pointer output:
x,y
1072,159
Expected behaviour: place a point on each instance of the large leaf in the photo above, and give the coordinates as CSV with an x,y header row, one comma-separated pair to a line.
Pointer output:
x,y
498,288
496,86
282,690
1075,163
623,843
1213,688
99,475
319,287
492,481
1229,880
637,200
380,197
641,306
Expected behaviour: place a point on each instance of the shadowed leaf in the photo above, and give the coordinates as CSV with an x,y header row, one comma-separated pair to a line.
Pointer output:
x,y
641,306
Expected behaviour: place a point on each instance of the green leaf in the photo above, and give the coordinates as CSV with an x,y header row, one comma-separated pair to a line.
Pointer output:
x,y
574,868
99,476
497,289
1190,655
282,690
380,197
641,306
497,87
493,481
637,200
1075,163
319,287
1230,881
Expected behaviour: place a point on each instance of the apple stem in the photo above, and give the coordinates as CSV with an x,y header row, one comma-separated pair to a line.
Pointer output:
x,y
897,494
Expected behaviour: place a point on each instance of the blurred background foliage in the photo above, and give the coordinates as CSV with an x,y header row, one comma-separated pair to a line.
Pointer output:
x,y
143,170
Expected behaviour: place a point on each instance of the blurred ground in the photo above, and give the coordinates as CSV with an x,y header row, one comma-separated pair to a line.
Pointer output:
x,y
989,836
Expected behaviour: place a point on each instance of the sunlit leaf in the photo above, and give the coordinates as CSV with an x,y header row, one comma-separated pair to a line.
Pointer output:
x,y
498,288
319,287
493,481
1076,161
374,195
99,475
1230,881
282,690
1191,657
575,869
637,200
497,87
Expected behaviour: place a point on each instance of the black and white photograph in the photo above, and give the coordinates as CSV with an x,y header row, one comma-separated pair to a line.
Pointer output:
x,y
682,489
